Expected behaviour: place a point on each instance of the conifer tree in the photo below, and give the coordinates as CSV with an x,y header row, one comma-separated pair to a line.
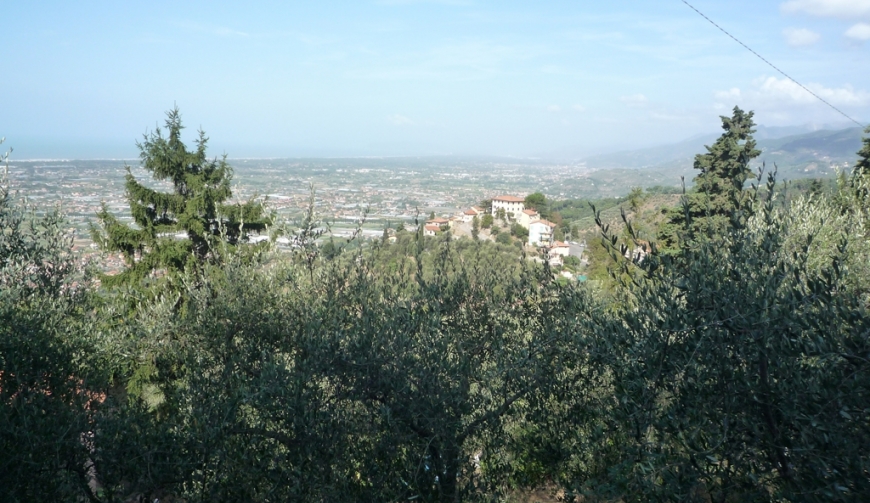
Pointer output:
x,y
862,167
197,208
718,193
725,166
861,173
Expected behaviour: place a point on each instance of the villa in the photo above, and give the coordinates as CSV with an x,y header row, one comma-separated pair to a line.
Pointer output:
x,y
512,205
541,232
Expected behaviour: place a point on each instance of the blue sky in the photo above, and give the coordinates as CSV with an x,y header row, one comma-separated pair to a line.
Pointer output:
x,y
405,77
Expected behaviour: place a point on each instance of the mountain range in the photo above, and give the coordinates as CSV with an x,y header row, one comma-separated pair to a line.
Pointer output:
x,y
796,151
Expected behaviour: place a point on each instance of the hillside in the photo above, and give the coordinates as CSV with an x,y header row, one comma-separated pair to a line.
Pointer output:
x,y
808,154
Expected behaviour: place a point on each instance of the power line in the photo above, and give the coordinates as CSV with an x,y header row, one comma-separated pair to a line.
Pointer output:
x,y
759,56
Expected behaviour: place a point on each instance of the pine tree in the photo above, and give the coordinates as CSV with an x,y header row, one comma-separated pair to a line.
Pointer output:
x,y
718,194
725,166
197,208
862,167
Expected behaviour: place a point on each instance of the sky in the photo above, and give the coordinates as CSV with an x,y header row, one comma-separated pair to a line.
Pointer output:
x,y
547,79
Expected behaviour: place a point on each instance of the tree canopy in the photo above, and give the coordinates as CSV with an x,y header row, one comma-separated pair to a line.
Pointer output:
x,y
718,195
197,208
449,370
862,166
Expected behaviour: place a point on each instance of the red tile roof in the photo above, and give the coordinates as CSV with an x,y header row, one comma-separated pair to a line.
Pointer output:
x,y
509,199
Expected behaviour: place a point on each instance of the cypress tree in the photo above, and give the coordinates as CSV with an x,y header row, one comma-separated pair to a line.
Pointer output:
x,y
862,167
725,166
196,208
718,193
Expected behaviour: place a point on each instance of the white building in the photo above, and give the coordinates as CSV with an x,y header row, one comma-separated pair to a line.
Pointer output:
x,y
431,230
559,248
541,232
439,221
469,214
526,217
512,205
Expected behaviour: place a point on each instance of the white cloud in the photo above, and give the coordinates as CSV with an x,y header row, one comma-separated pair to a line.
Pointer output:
x,y
828,8
785,90
400,120
579,108
860,32
781,101
554,108
635,100
800,37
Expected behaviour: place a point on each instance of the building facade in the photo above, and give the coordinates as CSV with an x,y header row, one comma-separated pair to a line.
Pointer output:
x,y
526,217
541,233
512,206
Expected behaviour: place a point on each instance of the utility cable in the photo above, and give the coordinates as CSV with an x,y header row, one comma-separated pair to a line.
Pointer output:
x,y
759,56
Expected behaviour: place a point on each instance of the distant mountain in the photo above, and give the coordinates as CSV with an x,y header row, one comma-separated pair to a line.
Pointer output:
x,y
841,144
653,157
773,132
810,153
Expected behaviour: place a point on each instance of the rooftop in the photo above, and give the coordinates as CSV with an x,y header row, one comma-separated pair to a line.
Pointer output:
x,y
545,222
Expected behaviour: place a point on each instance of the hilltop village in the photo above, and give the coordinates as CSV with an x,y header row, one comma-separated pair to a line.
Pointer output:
x,y
508,215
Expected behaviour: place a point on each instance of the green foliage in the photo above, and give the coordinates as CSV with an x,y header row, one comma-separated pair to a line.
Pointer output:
x,y
351,384
635,199
573,210
718,199
486,205
197,207
572,262
329,250
732,372
724,169
862,166
536,201
861,171
486,221
48,386
519,232
451,369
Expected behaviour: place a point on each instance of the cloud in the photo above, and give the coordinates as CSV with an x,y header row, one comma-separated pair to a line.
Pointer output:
x,y
635,100
800,37
554,108
787,90
779,101
772,92
859,32
578,108
849,9
400,120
